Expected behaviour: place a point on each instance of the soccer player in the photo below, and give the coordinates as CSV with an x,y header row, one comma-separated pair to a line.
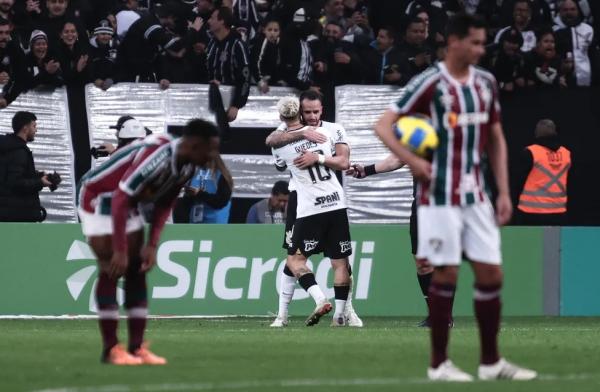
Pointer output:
x,y
321,224
424,268
151,170
453,211
311,108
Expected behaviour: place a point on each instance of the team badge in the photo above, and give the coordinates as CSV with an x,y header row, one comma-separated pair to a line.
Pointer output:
x,y
345,246
310,245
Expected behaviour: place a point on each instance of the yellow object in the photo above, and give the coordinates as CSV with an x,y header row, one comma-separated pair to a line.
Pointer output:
x,y
416,134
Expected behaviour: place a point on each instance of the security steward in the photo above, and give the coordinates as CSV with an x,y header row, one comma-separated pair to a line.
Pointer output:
x,y
543,199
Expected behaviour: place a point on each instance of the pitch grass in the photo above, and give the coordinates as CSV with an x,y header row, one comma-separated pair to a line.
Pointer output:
x,y
246,355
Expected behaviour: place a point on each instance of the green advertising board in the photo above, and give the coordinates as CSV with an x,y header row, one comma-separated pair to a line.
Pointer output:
x,y
48,269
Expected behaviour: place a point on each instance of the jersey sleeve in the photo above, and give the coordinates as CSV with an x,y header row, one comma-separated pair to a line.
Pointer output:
x,y
417,94
494,109
279,161
340,136
147,163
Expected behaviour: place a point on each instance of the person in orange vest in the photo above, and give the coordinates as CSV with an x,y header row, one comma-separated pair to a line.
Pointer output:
x,y
543,199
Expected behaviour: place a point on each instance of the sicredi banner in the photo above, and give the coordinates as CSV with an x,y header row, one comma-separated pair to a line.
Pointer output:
x,y
48,269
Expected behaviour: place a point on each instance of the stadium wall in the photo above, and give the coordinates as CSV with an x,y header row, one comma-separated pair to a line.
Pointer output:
x,y
48,269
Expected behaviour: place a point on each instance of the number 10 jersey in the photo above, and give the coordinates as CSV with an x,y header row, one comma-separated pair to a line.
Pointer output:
x,y
318,188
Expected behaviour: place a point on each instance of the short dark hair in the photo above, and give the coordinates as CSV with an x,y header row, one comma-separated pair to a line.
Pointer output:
x,y
4,22
391,31
460,24
22,119
413,20
540,33
280,188
311,95
225,14
198,127
522,1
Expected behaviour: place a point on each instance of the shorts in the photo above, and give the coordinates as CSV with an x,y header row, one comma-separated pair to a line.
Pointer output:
x,y
290,219
328,232
97,224
446,232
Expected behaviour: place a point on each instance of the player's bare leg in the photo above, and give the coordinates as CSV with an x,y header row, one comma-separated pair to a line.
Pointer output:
x,y
341,287
108,308
306,279
488,284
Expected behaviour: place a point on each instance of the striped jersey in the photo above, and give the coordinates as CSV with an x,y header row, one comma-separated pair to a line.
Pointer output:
x,y
462,114
145,170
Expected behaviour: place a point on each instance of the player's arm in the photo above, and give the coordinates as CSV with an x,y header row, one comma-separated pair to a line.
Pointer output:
x,y
162,211
498,156
279,138
341,160
388,164
420,168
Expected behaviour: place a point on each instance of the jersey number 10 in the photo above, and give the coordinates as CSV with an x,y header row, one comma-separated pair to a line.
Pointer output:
x,y
315,171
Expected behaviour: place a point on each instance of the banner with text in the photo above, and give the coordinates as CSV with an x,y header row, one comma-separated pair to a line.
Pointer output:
x,y
48,269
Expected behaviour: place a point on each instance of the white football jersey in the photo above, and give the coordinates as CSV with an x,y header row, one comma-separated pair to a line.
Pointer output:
x,y
318,188
336,131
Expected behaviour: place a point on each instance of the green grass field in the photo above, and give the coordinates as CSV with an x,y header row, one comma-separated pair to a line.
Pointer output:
x,y
246,355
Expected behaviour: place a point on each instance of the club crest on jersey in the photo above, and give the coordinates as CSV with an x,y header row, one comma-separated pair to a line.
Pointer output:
x,y
345,246
453,119
335,196
436,244
310,245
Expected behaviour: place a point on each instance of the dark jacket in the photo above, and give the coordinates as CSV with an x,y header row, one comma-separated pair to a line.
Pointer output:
x,y
20,183
229,63
68,59
378,64
337,73
103,60
34,76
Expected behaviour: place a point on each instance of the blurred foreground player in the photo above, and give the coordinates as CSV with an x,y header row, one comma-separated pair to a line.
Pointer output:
x,y
151,170
453,211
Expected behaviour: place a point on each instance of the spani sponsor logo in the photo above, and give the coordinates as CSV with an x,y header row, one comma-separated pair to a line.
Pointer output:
x,y
332,198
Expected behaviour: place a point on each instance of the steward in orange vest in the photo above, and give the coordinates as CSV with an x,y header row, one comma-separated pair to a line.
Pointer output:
x,y
543,199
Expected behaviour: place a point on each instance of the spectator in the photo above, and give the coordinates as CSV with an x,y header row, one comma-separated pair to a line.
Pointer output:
x,y
73,57
540,12
358,30
196,66
244,11
521,21
41,69
385,13
505,60
546,165
103,56
12,60
296,57
588,9
575,42
20,183
228,60
266,57
438,16
415,49
543,66
334,12
52,20
207,196
336,61
137,55
273,209
383,61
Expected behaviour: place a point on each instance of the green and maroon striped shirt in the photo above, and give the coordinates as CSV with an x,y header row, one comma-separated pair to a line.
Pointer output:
x,y
462,114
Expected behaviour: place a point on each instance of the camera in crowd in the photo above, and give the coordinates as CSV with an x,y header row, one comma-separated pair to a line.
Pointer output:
x,y
54,179
99,151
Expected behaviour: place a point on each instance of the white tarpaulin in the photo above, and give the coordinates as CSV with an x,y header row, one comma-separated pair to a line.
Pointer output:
x,y
52,148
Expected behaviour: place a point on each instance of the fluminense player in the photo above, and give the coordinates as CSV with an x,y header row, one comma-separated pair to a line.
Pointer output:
x,y
151,170
453,210
321,224
311,109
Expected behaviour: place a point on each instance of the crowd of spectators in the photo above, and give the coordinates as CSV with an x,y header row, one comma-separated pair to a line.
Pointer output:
x,y
305,44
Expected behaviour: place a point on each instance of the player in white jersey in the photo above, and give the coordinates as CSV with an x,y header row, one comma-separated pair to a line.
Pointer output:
x,y
322,222
311,108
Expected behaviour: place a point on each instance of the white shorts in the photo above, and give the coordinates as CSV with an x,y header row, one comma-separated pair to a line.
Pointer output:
x,y
445,232
96,224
